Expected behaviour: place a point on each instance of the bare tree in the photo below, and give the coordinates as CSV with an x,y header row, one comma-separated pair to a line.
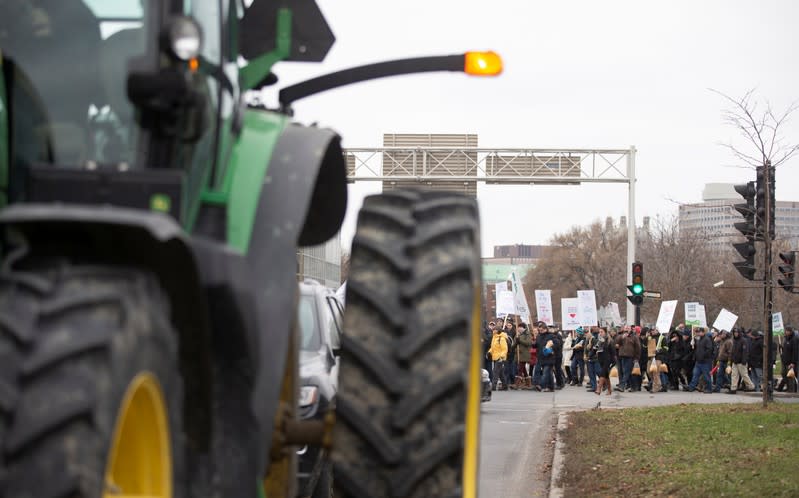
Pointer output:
x,y
760,126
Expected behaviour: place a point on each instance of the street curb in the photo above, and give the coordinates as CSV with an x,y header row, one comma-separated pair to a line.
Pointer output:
x,y
556,491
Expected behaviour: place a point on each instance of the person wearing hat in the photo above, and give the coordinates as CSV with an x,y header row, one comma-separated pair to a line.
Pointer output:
x,y
703,357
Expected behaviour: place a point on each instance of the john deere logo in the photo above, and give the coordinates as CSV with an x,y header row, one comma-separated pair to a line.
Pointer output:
x,y
160,202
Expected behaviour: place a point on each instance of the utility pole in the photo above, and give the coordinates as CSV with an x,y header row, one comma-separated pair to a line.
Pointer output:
x,y
767,218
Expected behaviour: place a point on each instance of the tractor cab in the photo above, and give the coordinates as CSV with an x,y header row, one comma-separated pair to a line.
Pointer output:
x,y
94,93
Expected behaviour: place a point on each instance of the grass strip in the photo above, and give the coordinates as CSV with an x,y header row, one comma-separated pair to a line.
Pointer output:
x,y
683,450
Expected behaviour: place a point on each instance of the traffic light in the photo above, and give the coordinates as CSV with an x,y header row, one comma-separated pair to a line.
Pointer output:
x,y
748,229
788,270
761,202
637,286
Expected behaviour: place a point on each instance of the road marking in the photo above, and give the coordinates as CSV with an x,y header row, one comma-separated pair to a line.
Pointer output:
x,y
513,422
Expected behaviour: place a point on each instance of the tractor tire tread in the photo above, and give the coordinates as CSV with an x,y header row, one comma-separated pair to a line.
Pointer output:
x,y
396,394
89,332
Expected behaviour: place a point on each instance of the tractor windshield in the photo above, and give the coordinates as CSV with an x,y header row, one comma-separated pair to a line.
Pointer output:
x,y
65,66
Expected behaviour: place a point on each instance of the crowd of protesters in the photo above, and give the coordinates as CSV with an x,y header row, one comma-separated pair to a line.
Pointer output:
x,y
545,358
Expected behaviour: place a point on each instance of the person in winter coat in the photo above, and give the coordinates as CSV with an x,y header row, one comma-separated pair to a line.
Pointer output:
x,y
591,359
547,356
629,351
672,361
557,369
535,368
787,356
485,341
510,364
499,355
703,359
606,352
756,358
739,357
723,358
578,358
688,357
524,340
568,344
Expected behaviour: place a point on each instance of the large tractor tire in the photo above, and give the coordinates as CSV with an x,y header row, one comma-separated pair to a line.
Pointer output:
x,y
90,393
407,412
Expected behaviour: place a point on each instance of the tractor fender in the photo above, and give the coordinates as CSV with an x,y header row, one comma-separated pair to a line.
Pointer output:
x,y
302,202
112,235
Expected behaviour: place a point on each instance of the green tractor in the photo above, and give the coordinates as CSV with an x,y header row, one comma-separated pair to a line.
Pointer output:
x,y
149,223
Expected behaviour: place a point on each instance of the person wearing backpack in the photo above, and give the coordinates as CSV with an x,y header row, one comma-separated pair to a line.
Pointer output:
x,y
499,355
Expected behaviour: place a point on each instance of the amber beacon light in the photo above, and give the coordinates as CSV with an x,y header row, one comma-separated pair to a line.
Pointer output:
x,y
482,63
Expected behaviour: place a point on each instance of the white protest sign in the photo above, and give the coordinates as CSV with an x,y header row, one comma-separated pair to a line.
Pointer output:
x,y
692,314
543,306
587,311
570,318
615,314
665,316
702,316
777,325
725,320
519,300
505,304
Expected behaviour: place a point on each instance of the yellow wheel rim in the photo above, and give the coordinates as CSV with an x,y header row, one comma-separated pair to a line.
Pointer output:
x,y
472,435
140,461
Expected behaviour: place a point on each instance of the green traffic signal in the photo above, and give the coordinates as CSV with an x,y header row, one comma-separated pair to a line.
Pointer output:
x,y
637,289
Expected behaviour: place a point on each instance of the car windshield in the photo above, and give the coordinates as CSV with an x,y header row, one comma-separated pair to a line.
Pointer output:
x,y
65,65
309,330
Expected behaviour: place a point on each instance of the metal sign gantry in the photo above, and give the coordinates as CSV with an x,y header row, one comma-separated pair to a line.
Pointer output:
x,y
500,166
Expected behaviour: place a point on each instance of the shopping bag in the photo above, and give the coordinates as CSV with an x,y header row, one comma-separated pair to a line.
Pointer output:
x,y
636,368
653,367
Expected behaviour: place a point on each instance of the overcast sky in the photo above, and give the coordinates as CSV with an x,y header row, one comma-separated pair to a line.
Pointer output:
x,y
577,75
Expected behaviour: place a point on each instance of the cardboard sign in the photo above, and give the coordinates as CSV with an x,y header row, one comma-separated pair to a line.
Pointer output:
x,y
725,321
587,312
569,313
543,306
665,316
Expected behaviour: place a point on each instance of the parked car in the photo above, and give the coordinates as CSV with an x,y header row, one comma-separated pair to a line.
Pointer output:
x,y
485,395
320,325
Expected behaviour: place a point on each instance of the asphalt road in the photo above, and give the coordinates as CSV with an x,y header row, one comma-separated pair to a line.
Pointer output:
x,y
518,431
